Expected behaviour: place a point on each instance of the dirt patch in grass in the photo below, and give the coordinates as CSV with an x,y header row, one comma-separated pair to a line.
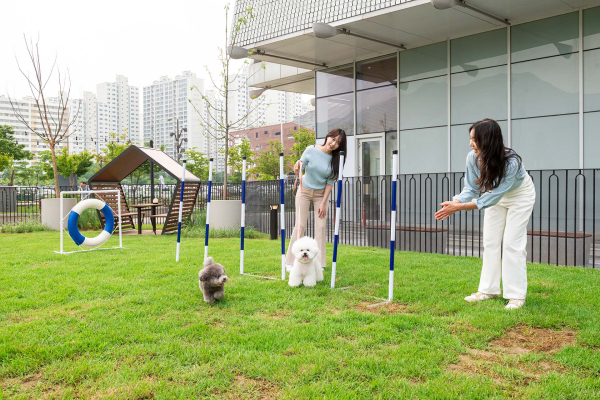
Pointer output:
x,y
385,308
505,352
525,339
254,388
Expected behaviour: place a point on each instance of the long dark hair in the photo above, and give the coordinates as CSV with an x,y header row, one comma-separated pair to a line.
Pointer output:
x,y
335,155
493,157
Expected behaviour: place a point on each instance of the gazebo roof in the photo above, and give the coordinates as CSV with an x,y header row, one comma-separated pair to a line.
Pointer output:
x,y
133,157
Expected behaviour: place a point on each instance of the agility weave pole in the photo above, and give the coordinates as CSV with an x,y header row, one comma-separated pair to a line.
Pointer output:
x,y
337,219
180,211
282,210
210,167
393,223
62,220
243,224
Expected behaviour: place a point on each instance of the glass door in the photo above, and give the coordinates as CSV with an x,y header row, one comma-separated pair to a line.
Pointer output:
x,y
371,164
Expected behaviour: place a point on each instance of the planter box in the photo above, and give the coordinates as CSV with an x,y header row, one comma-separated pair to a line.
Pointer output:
x,y
8,199
225,213
576,246
424,239
51,212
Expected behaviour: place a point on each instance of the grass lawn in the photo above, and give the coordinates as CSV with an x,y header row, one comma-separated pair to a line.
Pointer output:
x,y
132,324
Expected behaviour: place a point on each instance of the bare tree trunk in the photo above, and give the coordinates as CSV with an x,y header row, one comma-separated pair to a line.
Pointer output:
x,y
55,170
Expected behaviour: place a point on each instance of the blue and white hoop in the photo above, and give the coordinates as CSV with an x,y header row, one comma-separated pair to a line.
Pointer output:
x,y
109,225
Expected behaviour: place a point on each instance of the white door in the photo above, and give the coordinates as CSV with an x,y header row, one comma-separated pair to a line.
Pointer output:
x,y
371,156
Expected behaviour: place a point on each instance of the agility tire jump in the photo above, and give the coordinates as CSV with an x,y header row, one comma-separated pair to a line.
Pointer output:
x,y
109,225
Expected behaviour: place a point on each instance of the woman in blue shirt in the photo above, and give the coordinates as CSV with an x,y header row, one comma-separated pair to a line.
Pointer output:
x,y
507,193
321,164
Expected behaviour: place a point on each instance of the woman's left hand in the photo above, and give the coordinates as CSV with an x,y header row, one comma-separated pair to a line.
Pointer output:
x,y
448,208
322,210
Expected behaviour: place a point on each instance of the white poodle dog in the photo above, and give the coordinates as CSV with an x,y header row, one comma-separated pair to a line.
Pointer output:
x,y
307,267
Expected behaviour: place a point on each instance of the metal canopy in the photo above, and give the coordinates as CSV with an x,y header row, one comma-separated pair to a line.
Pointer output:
x,y
132,158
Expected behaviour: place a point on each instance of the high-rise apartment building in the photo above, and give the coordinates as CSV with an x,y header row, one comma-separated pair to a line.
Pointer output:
x,y
168,100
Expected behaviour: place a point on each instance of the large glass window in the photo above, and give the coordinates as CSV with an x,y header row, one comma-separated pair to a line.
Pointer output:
x,y
591,80
424,150
559,136
377,72
335,112
546,37
377,109
335,100
591,28
335,81
423,62
391,144
478,51
591,139
424,103
591,87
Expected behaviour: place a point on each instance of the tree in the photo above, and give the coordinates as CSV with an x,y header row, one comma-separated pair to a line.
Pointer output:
x,y
303,138
214,118
55,122
199,163
67,164
236,158
11,151
267,162
115,146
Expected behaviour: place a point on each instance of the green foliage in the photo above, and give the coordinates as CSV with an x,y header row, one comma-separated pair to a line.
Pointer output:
x,y
11,151
66,164
115,146
26,226
303,138
236,158
266,166
195,227
89,220
197,163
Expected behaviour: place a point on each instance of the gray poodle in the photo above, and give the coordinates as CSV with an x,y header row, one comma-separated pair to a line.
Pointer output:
x,y
212,280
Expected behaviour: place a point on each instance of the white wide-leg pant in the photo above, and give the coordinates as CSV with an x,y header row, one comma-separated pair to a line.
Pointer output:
x,y
505,227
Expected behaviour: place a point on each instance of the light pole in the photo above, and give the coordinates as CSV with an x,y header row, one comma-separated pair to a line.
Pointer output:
x,y
178,139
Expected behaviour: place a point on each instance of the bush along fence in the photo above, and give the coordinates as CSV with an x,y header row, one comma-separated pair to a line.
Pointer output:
x,y
564,228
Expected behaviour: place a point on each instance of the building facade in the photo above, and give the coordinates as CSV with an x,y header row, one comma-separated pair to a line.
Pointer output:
x,y
167,101
538,77
26,106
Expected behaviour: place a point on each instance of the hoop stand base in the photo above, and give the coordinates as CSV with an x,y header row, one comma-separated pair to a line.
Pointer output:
x,y
81,251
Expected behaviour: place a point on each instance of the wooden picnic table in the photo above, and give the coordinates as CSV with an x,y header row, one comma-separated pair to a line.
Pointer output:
x,y
146,206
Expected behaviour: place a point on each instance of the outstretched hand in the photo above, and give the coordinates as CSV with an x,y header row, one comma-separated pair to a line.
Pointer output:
x,y
448,208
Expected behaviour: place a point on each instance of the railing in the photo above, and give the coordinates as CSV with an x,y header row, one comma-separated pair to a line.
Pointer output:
x,y
563,229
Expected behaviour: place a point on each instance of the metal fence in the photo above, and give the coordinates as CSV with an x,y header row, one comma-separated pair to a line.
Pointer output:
x,y
563,229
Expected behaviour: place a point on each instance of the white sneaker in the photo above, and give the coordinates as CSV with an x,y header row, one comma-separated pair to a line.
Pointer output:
x,y
513,304
479,297
288,267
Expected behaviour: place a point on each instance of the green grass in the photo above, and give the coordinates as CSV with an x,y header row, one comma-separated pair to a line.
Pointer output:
x,y
131,323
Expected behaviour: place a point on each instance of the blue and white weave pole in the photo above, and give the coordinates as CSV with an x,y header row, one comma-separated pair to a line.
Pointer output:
x,y
210,165
393,222
180,212
243,224
338,215
282,195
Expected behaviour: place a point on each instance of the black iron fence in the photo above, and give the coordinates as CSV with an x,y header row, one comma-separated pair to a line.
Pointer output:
x,y
563,229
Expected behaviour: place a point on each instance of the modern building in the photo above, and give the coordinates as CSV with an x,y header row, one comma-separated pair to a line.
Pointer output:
x,y
534,66
167,101
259,137
26,106
114,109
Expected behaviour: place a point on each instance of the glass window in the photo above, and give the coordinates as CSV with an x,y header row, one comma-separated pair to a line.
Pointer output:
x,y
478,51
391,144
335,112
548,86
479,94
377,110
591,28
559,136
459,144
545,37
378,72
591,80
591,138
423,62
424,150
335,81
423,103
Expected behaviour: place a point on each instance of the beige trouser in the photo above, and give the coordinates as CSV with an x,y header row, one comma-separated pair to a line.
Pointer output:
x,y
505,226
302,206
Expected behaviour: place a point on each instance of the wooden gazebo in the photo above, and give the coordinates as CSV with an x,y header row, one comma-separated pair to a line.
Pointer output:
x,y
113,173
